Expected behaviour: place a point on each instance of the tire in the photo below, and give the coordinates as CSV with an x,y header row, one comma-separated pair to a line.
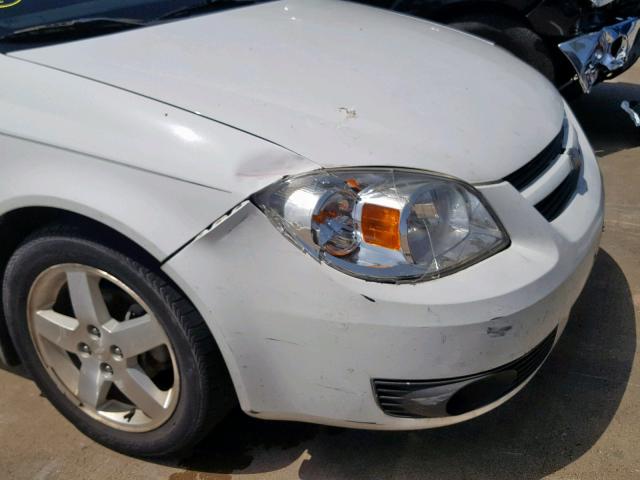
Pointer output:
x,y
191,388
512,36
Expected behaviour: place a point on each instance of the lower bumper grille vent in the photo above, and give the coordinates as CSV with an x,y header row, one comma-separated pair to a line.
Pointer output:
x,y
456,396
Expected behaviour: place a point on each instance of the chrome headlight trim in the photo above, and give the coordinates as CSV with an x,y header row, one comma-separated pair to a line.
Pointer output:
x,y
388,225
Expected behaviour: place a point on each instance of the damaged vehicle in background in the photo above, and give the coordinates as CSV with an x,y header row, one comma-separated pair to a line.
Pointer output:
x,y
251,205
574,43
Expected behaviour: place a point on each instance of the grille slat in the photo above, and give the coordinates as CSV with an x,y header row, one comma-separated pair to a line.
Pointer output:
x,y
554,204
401,386
391,394
525,176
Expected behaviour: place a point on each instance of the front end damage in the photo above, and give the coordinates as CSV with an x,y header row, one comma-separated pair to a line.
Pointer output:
x,y
602,54
604,50
597,37
305,342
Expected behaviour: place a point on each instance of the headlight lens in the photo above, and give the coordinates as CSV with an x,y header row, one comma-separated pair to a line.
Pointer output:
x,y
382,224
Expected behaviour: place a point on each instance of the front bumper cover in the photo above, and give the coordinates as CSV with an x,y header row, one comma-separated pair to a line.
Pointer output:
x,y
305,342
611,49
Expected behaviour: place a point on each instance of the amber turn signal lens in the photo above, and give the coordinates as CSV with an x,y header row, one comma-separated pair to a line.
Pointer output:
x,y
381,226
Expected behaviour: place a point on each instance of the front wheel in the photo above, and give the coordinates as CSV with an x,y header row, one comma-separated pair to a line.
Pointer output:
x,y
113,345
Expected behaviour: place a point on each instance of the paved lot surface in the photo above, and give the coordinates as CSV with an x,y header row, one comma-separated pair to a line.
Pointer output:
x,y
579,418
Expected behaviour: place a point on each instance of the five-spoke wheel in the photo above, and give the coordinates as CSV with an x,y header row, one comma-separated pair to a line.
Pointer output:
x,y
113,343
103,346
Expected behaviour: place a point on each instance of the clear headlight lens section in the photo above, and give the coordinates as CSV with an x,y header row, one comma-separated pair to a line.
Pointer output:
x,y
384,225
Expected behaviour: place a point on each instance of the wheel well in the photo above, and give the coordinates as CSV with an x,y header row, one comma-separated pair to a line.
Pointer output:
x,y
17,225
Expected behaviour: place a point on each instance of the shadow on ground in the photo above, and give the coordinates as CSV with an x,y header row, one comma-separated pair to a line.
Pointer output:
x,y
552,422
16,370
610,130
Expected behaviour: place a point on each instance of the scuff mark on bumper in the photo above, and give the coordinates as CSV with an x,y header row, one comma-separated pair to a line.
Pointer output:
x,y
498,331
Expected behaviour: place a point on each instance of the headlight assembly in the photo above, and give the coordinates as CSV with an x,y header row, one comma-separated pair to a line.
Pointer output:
x,y
382,224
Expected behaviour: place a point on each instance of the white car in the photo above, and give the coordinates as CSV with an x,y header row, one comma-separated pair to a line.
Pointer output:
x,y
319,210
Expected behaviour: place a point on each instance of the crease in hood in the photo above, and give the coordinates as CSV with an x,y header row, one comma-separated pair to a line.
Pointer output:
x,y
340,84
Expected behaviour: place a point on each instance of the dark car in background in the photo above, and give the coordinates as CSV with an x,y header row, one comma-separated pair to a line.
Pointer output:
x,y
574,43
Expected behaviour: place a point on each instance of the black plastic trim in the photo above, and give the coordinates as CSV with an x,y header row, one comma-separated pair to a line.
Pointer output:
x,y
526,175
458,395
554,204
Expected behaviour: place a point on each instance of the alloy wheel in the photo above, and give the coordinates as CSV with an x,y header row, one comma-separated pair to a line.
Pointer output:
x,y
103,347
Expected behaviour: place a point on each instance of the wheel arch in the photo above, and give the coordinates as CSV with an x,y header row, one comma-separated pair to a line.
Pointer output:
x,y
16,225
142,212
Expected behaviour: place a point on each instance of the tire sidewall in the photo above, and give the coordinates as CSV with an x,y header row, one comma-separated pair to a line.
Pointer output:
x,y
40,254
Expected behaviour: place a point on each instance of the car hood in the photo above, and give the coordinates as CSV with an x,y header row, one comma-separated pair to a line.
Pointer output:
x,y
338,83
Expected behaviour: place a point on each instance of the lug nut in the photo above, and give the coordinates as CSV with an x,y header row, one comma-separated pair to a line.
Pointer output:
x,y
84,348
106,368
95,331
116,351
